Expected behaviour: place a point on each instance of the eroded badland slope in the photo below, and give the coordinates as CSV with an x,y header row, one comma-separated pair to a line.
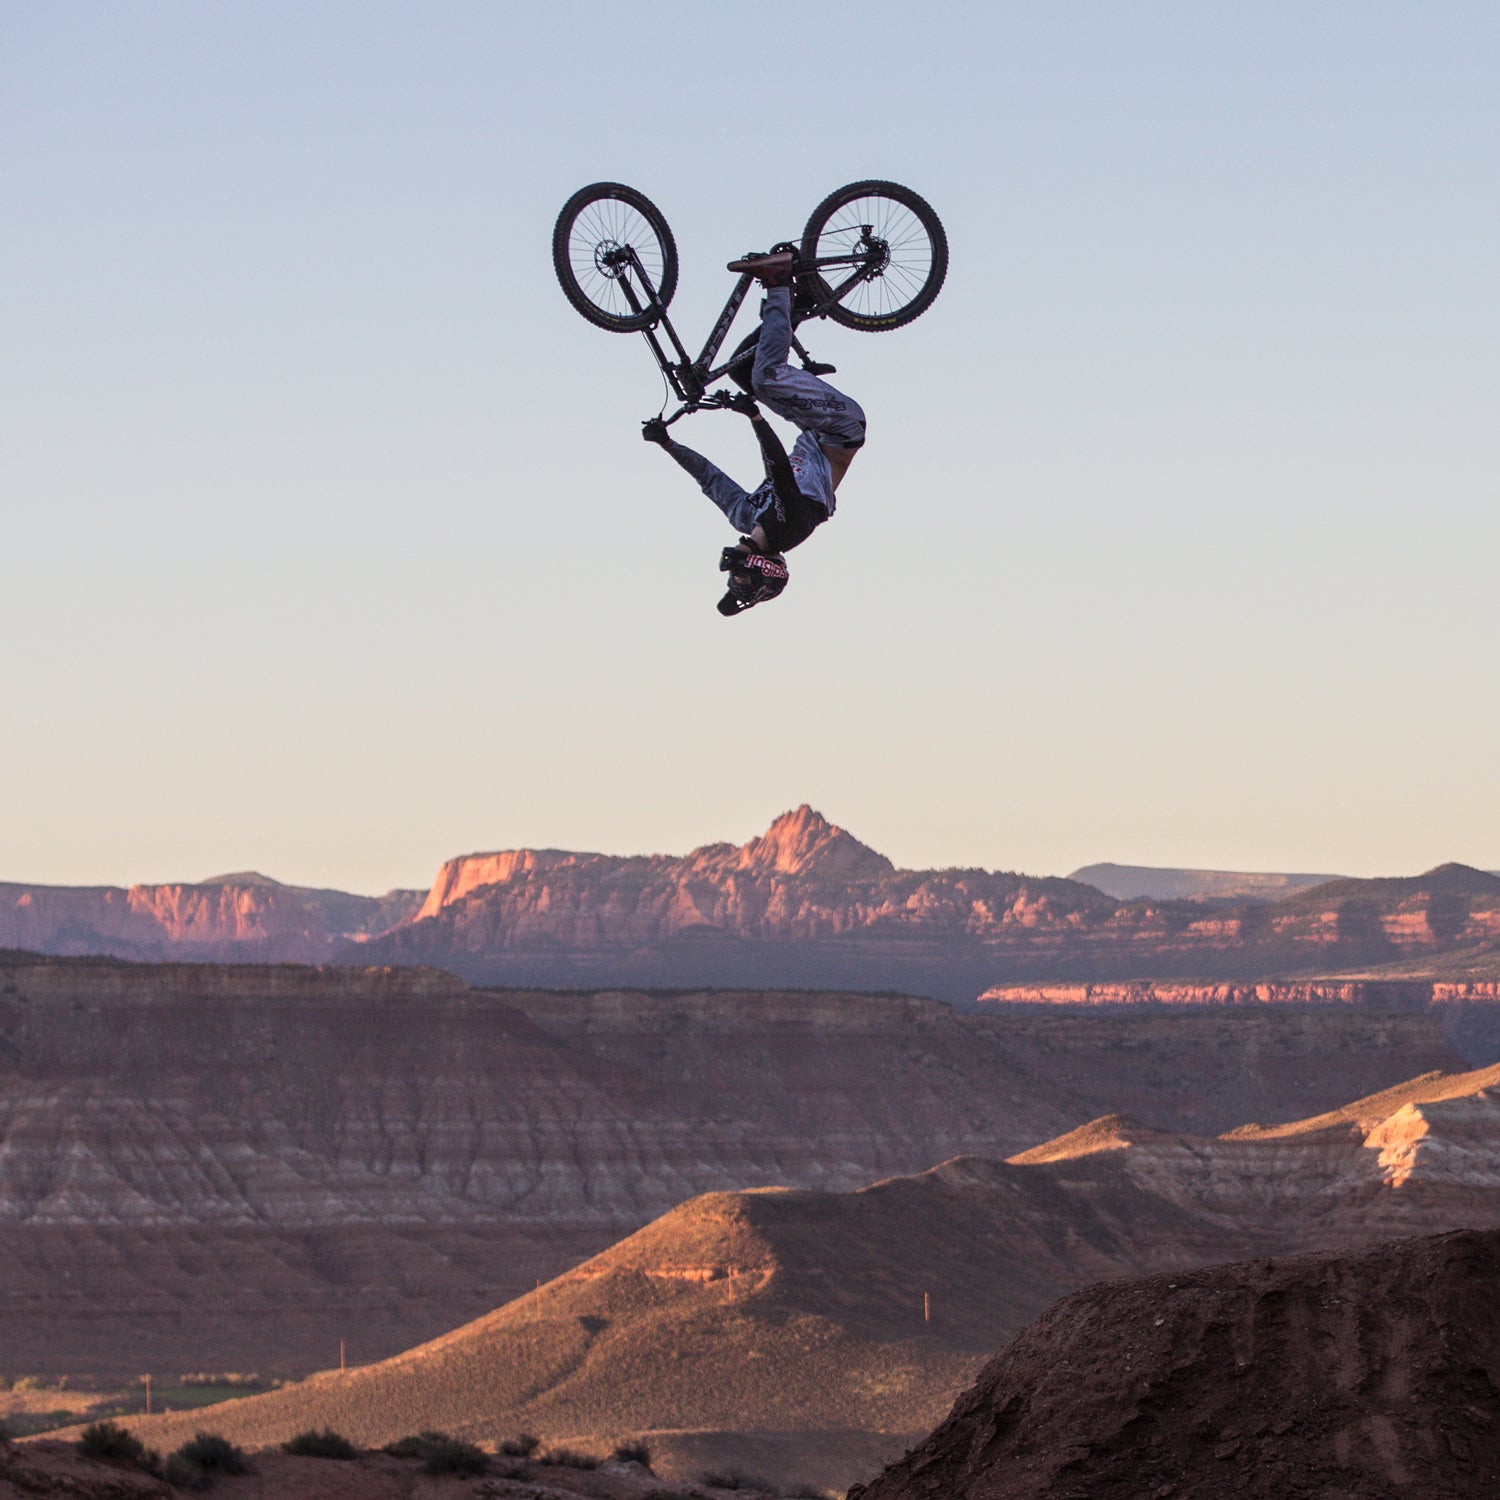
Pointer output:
x,y
1363,1377
234,1167
852,1317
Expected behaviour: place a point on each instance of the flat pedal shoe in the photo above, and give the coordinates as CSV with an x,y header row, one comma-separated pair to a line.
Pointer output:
x,y
774,269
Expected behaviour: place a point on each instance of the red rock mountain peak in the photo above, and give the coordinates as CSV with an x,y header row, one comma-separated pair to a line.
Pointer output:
x,y
804,842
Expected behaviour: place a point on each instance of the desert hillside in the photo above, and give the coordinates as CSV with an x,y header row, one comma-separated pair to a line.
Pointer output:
x,y
841,1314
1374,1375
229,1167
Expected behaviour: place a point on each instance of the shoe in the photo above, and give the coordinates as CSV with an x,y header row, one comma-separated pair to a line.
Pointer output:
x,y
770,270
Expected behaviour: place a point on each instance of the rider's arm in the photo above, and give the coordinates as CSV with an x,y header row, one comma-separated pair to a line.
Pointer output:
x,y
716,484
778,465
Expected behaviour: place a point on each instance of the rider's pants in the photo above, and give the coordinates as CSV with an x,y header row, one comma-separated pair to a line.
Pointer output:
x,y
827,417
836,420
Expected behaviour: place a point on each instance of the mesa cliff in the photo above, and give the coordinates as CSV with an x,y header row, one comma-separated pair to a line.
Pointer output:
x,y
245,917
804,905
808,904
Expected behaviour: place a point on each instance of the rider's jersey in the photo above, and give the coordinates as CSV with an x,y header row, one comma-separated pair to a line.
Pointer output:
x,y
813,473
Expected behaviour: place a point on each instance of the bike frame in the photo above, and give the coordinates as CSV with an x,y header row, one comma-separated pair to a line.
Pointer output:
x,y
691,378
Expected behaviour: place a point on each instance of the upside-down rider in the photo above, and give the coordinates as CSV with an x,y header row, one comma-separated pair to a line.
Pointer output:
x,y
797,494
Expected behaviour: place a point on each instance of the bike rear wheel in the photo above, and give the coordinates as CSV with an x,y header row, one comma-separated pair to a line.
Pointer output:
x,y
879,254
606,237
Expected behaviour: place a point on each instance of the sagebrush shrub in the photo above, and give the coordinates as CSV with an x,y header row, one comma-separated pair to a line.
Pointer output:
x,y
108,1440
440,1453
325,1444
183,1475
212,1454
634,1452
569,1458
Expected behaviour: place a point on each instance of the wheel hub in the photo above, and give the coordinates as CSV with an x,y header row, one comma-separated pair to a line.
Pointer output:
x,y
611,258
878,253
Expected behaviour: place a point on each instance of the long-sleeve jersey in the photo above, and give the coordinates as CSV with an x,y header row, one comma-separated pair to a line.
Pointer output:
x,y
805,494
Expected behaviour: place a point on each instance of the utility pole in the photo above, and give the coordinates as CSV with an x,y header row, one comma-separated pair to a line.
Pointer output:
x,y
342,1366
148,1395
926,1307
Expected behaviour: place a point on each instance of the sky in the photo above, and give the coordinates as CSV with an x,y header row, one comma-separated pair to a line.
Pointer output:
x,y
331,548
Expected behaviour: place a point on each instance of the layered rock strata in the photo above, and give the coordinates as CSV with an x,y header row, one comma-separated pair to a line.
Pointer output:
x,y
805,904
316,1154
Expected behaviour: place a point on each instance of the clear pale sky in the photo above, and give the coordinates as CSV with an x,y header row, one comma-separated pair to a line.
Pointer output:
x,y
331,549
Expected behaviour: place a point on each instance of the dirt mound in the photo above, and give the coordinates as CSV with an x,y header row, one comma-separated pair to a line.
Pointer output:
x,y
1364,1377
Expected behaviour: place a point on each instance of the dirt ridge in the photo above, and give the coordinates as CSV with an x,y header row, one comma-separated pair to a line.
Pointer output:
x,y
1371,1376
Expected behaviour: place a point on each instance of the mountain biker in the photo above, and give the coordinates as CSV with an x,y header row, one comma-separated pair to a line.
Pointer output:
x,y
797,494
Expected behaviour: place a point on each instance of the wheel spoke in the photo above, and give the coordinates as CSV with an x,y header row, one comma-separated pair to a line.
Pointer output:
x,y
896,266
612,224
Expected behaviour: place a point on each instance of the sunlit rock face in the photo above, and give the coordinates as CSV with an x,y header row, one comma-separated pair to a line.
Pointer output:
x,y
807,904
803,905
245,917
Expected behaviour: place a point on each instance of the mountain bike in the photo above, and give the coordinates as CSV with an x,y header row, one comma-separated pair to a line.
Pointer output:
x,y
872,256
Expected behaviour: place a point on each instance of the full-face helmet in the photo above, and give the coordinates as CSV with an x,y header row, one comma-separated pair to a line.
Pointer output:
x,y
754,576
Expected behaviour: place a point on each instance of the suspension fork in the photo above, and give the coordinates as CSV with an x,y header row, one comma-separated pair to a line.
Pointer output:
x,y
675,371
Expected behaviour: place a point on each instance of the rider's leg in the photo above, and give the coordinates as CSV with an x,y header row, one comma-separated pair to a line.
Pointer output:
x,y
718,486
836,420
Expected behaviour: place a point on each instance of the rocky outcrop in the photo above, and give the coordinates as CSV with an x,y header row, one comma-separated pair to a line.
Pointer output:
x,y
1374,1375
372,1154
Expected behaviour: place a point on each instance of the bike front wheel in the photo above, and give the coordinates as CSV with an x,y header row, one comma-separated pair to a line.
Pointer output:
x,y
615,257
879,254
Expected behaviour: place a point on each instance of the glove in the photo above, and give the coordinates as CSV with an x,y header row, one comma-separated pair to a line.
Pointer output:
x,y
744,403
655,431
